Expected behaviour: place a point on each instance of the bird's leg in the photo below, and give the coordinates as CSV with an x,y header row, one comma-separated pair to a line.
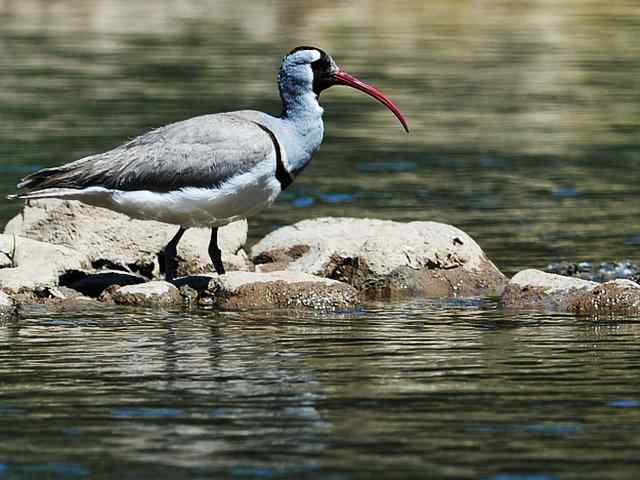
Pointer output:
x,y
215,253
170,251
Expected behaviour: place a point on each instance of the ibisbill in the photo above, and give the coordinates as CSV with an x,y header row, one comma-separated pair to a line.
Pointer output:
x,y
210,170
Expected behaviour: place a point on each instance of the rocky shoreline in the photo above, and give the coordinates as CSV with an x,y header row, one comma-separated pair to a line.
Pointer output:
x,y
65,253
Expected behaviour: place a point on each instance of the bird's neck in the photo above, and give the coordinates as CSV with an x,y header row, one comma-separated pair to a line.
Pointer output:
x,y
302,112
300,104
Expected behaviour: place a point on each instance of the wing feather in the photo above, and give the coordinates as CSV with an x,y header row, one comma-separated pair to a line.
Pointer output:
x,y
203,151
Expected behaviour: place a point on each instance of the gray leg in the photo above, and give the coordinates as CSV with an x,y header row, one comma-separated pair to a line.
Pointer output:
x,y
215,253
170,251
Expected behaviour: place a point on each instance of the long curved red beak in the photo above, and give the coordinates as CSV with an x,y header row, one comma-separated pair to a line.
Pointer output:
x,y
343,78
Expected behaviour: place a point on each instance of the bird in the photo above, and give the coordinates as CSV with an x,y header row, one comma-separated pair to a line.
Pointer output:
x,y
209,170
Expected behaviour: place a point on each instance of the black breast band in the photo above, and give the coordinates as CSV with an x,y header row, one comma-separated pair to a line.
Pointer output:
x,y
282,175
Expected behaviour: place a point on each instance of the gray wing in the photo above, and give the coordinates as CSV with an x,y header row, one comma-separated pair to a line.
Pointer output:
x,y
200,152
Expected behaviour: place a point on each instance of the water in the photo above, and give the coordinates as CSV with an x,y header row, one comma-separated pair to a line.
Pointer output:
x,y
419,390
525,122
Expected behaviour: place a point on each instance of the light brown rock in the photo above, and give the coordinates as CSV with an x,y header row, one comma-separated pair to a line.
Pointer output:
x,y
383,258
150,294
533,289
113,240
35,264
244,290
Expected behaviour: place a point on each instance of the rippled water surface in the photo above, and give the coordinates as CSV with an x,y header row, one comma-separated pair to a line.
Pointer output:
x,y
525,121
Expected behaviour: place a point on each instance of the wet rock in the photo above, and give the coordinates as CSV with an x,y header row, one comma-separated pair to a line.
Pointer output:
x,y
35,264
151,294
56,293
598,272
51,296
92,284
539,290
613,297
242,290
8,307
383,258
114,241
536,289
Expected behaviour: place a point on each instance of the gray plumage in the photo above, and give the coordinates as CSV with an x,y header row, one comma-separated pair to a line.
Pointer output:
x,y
203,151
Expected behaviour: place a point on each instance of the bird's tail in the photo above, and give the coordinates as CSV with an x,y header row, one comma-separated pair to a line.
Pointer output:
x,y
45,178
47,193
48,183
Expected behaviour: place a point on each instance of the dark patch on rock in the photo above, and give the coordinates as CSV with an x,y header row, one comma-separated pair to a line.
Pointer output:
x,y
199,283
278,259
106,264
351,270
92,284
5,260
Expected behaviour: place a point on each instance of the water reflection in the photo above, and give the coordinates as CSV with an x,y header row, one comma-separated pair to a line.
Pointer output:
x,y
442,384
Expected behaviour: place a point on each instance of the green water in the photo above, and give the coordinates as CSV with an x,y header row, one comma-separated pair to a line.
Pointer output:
x,y
525,120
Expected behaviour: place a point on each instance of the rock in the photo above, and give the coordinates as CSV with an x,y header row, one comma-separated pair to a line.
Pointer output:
x,y
613,297
52,296
92,284
383,258
114,241
8,307
150,294
56,293
242,290
539,290
35,264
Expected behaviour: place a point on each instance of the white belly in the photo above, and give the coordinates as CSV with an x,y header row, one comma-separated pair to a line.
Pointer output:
x,y
239,197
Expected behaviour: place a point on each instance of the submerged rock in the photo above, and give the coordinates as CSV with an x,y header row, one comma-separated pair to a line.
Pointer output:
x,y
8,307
35,264
150,294
600,272
242,290
539,290
115,241
383,258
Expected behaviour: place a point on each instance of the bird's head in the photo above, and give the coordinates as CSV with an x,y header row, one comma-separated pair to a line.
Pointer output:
x,y
310,68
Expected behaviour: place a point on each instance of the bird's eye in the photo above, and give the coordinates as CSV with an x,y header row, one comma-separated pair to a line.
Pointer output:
x,y
322,63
